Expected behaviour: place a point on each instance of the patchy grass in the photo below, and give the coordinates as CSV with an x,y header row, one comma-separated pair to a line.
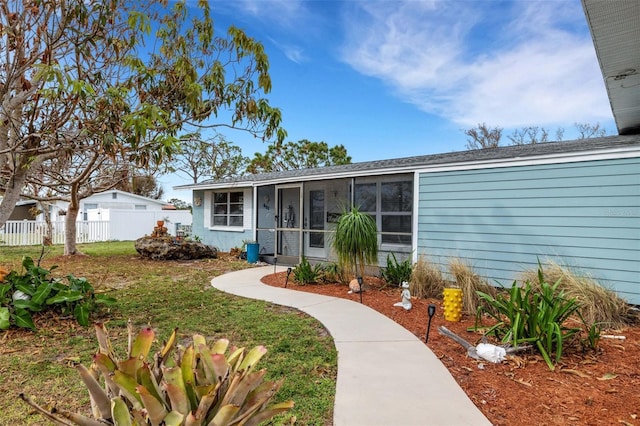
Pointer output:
x,y
165,295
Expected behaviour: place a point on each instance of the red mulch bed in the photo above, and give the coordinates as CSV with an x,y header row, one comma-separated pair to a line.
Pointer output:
x,y
601,388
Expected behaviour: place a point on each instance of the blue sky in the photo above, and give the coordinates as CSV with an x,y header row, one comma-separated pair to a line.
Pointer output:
x,y
391,79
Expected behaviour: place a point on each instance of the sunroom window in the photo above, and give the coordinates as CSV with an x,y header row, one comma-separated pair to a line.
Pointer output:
x,y
390,203
228,209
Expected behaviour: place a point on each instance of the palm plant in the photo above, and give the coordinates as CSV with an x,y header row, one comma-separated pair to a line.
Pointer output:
x,y
356,240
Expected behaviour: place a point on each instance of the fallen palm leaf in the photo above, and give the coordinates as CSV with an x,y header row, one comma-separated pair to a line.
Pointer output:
x,y
522,382
575,372
607,376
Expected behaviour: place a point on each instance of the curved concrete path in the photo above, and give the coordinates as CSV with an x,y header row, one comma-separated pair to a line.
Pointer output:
x,y
386,376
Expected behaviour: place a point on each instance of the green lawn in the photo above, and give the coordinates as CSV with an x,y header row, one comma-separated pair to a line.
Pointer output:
x,y
164,295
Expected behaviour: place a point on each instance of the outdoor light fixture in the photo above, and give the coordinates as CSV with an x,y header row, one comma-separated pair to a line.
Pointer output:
x,y
287,280
431,310
275,263
360,287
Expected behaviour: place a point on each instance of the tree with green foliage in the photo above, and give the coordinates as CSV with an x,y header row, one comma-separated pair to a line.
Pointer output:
x,y
355,240
179,204
75,80
303,154
212,158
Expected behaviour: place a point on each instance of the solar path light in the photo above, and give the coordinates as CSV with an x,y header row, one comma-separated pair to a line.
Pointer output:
x,y
431,310
287,280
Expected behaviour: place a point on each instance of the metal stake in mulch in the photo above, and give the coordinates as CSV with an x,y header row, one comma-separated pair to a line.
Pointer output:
x,y
287,280
431,310
360,287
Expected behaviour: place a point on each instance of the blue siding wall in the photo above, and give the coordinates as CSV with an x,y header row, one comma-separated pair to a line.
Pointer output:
x,y
222,240
583,215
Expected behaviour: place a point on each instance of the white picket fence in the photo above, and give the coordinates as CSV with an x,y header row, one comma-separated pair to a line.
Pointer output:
x,y
31,232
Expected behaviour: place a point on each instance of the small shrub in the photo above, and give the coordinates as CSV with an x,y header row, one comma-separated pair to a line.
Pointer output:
x,y
598,304
21,295
305,273
426,279
470,283
197,384
531,314
333,272
396,272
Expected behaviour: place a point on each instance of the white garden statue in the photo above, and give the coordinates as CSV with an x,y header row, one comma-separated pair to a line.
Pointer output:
x,y
406,297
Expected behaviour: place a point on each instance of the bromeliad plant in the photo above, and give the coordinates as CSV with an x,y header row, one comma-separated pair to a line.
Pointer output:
x,y
21,295
527,315
193,385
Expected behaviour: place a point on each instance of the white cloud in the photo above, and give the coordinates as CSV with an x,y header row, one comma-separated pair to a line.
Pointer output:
x,y
293,52
279,12
459,61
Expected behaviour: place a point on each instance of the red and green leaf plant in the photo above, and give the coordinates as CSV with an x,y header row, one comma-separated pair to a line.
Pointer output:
x,y
199,384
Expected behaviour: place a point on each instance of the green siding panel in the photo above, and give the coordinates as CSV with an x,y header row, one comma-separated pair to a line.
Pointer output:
x,y
585,215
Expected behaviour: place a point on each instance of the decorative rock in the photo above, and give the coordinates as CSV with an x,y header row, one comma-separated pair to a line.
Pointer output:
x,y
354,287
168,248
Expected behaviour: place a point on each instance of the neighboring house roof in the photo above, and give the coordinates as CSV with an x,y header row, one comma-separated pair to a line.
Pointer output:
x,y
615,29
508,154
130,195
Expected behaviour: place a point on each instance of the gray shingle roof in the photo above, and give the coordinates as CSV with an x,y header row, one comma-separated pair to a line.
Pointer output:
x,y
417,162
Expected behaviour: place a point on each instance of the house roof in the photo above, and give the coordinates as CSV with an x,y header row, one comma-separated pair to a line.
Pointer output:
x,y
615,29
132,195
508,154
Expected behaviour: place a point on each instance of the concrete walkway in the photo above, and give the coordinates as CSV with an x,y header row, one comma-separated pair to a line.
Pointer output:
x,y
386,376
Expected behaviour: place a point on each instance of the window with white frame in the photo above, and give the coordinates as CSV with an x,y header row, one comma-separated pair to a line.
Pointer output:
x,y
390,203
227,208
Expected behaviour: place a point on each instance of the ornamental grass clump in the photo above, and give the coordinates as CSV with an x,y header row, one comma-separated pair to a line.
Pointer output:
x,y
426,279
355,240
470,283
199,384
598,304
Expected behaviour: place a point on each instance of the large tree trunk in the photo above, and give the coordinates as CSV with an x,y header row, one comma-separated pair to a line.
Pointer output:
x,y
70,232
12,195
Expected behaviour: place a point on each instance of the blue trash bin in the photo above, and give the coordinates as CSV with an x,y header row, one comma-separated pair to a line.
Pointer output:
x,y
253,251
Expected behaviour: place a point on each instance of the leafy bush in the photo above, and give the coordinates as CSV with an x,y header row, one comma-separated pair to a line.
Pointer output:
x,y
305,273
196,385
426,279
396,272
528,315
21,295
333,272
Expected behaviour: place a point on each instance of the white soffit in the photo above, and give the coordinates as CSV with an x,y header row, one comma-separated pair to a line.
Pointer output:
x,y
615,29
